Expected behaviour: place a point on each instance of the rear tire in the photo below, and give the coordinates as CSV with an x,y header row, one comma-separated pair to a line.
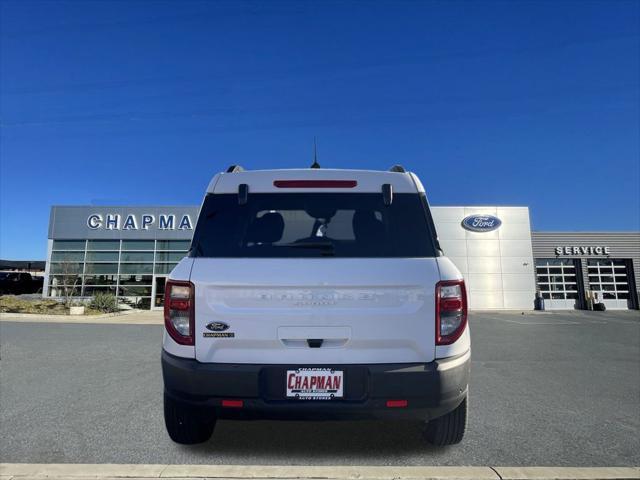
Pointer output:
x,y
186,424
448,429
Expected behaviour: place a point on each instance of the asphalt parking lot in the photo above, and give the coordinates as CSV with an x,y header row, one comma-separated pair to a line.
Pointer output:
x,y
546,389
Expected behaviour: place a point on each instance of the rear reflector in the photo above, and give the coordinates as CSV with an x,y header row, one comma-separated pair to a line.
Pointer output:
x,y
315,183
233,403
397,403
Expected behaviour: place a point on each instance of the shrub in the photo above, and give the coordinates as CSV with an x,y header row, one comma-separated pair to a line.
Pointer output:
x,y
104,302
13,304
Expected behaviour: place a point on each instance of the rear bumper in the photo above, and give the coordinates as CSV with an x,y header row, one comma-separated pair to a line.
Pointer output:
x,y
431,389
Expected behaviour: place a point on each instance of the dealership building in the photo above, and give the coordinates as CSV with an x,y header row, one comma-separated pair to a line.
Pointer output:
x,y
129,252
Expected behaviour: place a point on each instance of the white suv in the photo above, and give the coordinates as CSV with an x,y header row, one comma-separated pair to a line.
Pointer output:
x,y
315,294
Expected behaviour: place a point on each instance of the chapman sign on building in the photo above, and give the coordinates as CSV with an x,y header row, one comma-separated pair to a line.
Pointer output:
x,y
146,221
129,251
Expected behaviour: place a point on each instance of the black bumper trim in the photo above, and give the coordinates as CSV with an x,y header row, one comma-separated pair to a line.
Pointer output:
x,y
431,389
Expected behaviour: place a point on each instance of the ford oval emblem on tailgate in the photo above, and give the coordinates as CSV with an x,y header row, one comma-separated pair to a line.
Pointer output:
x,y
481,223
217,326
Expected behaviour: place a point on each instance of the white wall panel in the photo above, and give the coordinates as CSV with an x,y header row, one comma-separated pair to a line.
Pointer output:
x,y
522,265
498,266
450,230
454,248
483,248
520,300
516,248
485,282
479,211
486,301
515,281
447,214
484,265
495,235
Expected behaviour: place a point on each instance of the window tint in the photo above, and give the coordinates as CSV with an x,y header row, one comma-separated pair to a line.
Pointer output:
x,y
162,268
67,256
170,256
102,256
136,257
103,245
172,245
137,245
68,244
313,225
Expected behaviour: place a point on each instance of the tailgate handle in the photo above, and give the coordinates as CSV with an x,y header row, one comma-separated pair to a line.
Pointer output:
x,y
315,342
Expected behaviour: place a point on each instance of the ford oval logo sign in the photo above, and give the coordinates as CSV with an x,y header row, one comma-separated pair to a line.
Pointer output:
x,y
481,223
217,326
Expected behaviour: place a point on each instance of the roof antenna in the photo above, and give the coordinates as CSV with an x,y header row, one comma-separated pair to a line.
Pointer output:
x,y
315,163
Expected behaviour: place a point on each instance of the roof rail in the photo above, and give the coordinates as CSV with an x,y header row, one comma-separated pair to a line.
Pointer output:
x,y
398,169
234,169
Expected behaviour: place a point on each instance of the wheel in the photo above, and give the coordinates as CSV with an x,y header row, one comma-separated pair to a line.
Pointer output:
x,y
186,424
448,429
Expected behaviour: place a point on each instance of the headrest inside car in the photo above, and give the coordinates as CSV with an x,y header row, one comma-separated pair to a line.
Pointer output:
x,y
365,224
266,229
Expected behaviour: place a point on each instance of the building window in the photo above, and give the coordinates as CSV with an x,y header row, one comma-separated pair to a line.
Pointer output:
x,y
103,245
137,257
170,256
102,256
138,245
66,268
128,268
164,268
90,291
67,256
100,279
129,291
138,268
93,268
173,245
136,280
69,245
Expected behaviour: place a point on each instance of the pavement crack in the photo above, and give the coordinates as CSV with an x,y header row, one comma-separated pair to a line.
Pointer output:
x,y
496,472
164,469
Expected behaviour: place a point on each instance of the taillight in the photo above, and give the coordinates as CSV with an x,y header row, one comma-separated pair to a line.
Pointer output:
x,y
179,310
451,311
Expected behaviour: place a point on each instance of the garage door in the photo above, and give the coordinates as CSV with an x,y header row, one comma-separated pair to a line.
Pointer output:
x,y
610,279
557,282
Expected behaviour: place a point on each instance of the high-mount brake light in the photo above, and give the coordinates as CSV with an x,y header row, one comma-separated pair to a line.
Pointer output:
x,y
451,311
315,183
179,317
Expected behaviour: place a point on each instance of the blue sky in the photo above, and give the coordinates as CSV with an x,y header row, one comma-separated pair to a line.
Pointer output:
x,y
510,103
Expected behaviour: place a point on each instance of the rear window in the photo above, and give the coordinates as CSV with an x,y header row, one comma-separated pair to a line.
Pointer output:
x,y
313,225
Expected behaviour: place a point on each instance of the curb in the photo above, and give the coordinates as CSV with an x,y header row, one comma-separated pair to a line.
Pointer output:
x,y
53,316
126,317
24,471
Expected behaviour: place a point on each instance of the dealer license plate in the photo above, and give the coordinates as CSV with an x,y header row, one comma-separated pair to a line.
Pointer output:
x,y
315,383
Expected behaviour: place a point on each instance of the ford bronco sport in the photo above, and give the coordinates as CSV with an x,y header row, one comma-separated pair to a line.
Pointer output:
x,y
315,294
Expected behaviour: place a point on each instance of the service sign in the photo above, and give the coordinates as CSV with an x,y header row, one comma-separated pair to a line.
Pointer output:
x,y
583,250
481,223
